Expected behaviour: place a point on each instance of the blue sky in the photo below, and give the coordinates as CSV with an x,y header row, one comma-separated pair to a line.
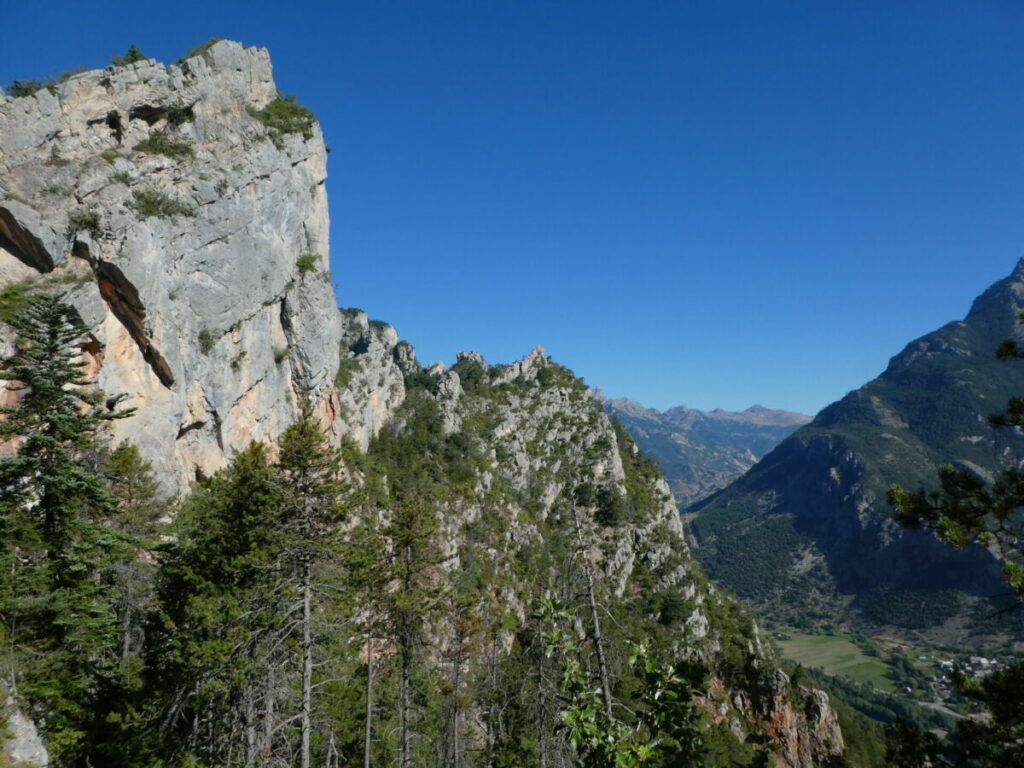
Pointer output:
x,y
711,204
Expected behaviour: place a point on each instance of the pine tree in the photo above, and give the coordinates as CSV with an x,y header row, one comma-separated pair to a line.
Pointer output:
x,y
313,493
221,636
57,607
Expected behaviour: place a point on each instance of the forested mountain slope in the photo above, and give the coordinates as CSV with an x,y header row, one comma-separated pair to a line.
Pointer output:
x,y
425,566
810,524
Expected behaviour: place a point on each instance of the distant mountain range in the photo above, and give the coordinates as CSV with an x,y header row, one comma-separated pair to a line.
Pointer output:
x,y
808,530
702,451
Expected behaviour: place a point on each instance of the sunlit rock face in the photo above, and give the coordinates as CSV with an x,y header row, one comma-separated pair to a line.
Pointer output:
x,y
204,314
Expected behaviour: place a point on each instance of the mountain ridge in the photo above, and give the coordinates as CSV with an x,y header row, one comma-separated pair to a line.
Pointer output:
x,y
702,451
819,497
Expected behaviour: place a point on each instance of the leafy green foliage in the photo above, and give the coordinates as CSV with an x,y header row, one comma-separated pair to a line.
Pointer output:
x,y
199,50
667,727
283,116
306,263
83,220
131,56
206,341
19,89
150,202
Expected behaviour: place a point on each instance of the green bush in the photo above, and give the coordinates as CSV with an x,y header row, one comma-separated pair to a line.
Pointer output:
x,y
132,55
280,354
149,202
162,143
84,221
307,262
199,50
284,115
109,155
122,177
206,341
20,88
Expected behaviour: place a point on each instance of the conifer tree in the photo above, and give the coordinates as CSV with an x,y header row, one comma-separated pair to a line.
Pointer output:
x,y
56,542
312,494
222,635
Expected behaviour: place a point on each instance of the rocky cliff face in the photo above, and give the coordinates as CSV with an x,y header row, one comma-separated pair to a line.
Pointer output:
x,y
814,512
703,451
190,232
193,243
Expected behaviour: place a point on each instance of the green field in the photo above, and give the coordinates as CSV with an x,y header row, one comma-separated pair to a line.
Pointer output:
x,y
837,655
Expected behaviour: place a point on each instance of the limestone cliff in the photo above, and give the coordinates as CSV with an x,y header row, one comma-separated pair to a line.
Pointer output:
x,y
194,244
190,232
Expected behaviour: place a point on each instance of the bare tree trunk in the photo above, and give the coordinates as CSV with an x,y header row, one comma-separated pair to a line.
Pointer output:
x,y
368,727
268,722
542,719
249,709
405,746
606,690
307,662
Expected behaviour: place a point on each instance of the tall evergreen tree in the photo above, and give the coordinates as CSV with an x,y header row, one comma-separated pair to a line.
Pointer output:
x,y
312,492
221,631
56,604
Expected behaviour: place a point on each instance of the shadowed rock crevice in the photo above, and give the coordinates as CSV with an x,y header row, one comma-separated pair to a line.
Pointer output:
x,y
123,299
22,244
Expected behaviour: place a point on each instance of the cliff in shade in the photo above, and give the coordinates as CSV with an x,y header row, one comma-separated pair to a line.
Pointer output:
x,y
190,232
808,530
703,451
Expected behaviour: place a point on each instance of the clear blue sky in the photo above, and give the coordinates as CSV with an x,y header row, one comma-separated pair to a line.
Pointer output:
x,y
710,204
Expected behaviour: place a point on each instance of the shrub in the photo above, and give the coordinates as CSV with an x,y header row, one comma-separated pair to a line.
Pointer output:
x,y
162,143
206,341
306,263
109,155
132,55
84,221
284,115
150,202
122,177
20,88
14,298
199,50
280,354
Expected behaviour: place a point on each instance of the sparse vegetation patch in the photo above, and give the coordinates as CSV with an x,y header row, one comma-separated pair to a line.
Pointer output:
x,y
150,202
84,221
162,143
